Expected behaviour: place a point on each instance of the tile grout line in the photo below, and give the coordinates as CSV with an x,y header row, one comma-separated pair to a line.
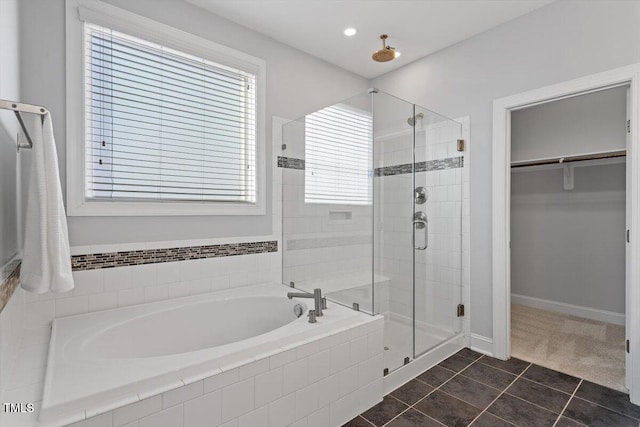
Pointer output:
x,y
408,408
401,412
455,374
604,407
548,386
500,369
415,409
532,403
568,401
501,393
366,420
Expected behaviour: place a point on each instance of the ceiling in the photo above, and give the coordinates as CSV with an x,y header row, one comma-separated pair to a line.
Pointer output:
x,y
416,28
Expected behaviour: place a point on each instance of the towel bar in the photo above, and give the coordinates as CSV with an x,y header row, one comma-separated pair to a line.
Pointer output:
x,y
19,108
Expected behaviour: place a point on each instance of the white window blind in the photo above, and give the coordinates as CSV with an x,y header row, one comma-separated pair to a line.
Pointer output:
x,y
162,125
338,156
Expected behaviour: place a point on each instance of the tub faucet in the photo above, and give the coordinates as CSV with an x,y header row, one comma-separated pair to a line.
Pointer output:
x,y
319,304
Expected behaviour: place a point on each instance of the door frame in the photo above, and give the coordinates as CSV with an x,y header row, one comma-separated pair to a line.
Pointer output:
x,y
501,204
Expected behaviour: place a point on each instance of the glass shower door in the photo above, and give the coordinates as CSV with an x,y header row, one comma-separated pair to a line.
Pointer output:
x,y
436,230
393,252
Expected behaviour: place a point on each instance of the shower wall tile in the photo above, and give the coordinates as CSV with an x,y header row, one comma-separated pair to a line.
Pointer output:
x,y
12,321
325,245
439,269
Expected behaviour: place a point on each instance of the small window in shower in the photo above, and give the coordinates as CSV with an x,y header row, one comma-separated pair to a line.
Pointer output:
x,y
338,156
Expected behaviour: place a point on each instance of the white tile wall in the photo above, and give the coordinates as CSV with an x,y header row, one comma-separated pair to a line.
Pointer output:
x,y
108,288
287,389
12,319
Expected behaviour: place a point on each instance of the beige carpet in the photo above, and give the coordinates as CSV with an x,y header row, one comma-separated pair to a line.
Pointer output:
x,y
580,347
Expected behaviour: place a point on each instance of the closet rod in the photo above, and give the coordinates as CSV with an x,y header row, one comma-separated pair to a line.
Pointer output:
x,y
570,159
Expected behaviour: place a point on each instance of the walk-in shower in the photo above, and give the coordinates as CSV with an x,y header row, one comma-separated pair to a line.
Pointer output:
x,y
372,208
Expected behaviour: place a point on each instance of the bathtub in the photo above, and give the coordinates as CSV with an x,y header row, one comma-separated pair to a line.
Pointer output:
x,y
104,360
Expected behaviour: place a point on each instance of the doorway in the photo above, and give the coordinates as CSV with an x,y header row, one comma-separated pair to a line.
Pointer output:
x,y
502,226
568,223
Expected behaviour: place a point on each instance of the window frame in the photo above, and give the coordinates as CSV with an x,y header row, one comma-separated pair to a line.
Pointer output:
x,y
98,13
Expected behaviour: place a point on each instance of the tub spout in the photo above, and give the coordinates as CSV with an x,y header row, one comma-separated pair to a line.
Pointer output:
x,y
317,299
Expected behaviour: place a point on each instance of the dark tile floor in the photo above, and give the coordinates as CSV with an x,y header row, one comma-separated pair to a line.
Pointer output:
x,y
471,389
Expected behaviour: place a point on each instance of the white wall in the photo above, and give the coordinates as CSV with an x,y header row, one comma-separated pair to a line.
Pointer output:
x,y
583,124
296,84
568,246
559,42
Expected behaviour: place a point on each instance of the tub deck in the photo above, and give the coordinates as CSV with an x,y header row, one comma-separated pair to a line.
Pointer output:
x,y
75,390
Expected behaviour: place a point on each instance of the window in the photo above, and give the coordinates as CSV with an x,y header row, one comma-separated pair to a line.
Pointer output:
x,y
164,122
338,156
164,125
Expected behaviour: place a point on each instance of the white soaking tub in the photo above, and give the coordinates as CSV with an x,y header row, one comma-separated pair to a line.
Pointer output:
x,y
103,360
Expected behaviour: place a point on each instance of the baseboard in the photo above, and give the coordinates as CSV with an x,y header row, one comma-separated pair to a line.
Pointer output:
x,y
570,309
481,344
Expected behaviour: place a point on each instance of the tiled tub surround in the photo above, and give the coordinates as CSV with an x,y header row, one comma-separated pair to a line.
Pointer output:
x,y
26,320
110,287
316,374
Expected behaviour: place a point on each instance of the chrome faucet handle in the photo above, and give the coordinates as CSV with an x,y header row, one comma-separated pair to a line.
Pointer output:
x,y
312,316
317,299
324,303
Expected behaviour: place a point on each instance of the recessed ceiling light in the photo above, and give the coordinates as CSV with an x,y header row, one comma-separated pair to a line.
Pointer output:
x,y
350,32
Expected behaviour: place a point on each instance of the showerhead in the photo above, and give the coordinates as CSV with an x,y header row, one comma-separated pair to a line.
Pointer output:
x,y
411,120
387,53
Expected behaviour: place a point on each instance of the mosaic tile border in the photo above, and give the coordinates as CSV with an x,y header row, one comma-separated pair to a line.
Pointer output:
x,y
290,163
154,256
431,165
9,279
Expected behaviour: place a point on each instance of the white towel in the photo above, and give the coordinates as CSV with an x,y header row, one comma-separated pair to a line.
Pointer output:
x,y
46,261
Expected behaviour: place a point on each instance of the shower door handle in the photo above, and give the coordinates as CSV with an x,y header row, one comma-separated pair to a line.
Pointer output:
x,y
420,223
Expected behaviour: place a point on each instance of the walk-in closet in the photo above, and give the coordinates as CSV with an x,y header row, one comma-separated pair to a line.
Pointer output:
x,y
568,232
